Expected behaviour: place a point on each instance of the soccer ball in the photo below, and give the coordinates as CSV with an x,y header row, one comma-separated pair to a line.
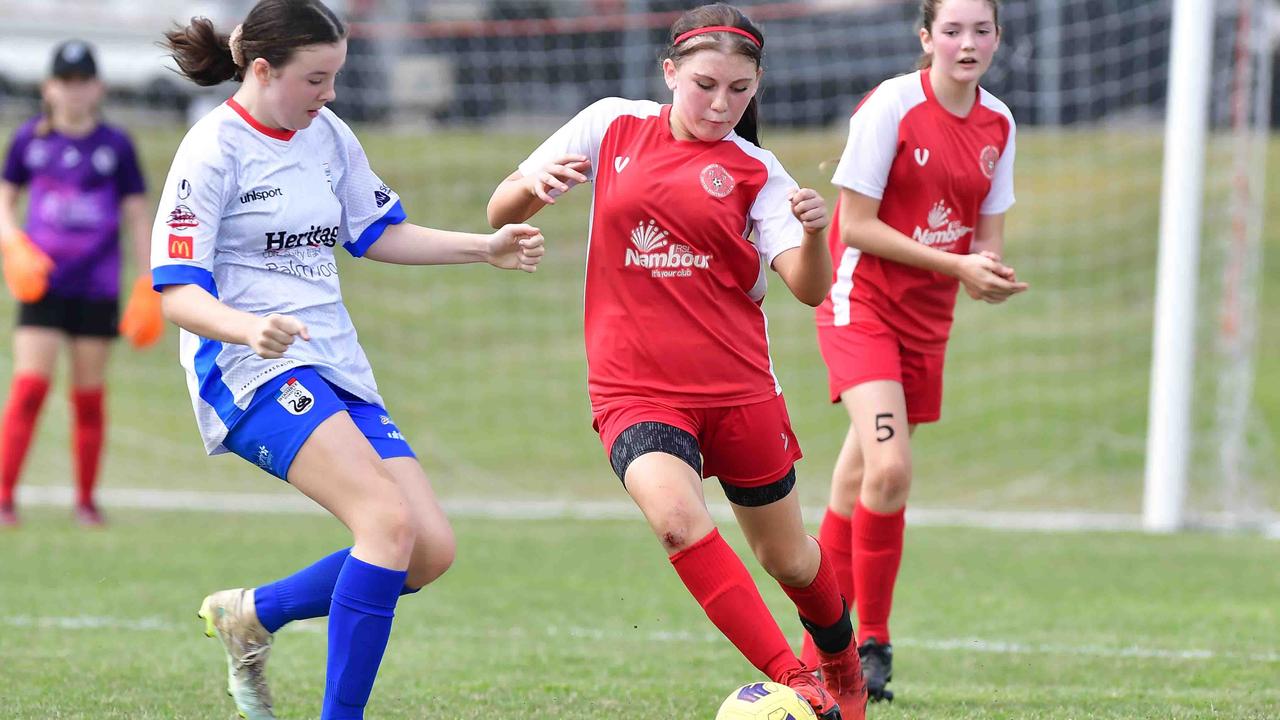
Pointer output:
x,y
765,701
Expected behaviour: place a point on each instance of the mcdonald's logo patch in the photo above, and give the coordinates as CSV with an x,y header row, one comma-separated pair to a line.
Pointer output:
x,y
180,246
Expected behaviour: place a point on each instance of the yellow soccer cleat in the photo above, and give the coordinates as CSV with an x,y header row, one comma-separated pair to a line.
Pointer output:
x,y
230,615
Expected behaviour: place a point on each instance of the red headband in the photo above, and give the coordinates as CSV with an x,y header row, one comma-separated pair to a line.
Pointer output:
x,y
716,28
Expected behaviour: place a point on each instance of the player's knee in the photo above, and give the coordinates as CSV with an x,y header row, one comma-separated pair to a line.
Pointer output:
x,y
889,478
676,531
433,554
383,518
786,564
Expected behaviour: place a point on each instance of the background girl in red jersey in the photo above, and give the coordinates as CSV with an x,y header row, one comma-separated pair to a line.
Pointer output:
x,y
64,268
925,179
688,213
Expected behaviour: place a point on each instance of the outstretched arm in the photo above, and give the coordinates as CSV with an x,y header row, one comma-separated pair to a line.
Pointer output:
x,y
519,197
511,247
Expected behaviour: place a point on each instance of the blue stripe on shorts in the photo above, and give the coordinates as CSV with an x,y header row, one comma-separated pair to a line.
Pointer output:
x,y
287,408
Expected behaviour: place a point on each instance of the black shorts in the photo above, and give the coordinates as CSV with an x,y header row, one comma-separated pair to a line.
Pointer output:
x,y
74,316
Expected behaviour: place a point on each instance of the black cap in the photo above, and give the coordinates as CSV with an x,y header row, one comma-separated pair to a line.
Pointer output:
x,y
74,58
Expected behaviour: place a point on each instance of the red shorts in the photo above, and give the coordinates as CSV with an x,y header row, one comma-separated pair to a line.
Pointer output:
x,y
742,445
864,351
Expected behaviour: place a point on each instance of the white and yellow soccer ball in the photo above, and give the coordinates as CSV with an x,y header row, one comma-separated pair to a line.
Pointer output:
x,y
765,701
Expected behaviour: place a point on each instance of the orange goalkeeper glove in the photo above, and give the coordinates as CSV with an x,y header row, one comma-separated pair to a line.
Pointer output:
x,y
142,323
26,267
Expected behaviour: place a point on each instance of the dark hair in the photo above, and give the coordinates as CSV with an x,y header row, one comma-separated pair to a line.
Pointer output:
x,y
726,15
929,13
272,30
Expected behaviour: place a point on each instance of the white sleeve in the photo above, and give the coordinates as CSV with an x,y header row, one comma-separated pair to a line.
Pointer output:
x,y
368,205
580,136
185,231
777,230
872,145
1000,196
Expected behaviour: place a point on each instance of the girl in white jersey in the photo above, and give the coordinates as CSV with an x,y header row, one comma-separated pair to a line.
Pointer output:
x,y
260,193
925,180
688,214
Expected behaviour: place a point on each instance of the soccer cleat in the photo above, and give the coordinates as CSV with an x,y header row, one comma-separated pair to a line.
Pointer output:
x,y
88,515
804,682
230,614
877,668
8,515
841,674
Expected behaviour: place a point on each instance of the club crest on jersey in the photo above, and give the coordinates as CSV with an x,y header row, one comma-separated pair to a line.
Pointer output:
x,y
182,218
716,180
922,156
987,160
181,247
295,398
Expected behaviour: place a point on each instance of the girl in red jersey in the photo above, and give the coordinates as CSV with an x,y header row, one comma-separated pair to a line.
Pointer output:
x,y
925,180
680,378
64,267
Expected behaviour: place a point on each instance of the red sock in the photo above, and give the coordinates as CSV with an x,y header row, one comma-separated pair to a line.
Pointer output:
x,y
87,407
836,538
877,541
819,602
26,396
722,586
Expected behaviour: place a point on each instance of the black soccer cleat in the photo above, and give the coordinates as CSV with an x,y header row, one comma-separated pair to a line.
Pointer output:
x,y
877,668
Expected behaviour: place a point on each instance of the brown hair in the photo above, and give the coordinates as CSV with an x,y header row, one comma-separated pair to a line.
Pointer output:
x,y
273,30
929,13
714,15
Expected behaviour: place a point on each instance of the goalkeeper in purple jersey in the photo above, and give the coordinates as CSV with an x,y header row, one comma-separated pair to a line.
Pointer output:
x,y
63,267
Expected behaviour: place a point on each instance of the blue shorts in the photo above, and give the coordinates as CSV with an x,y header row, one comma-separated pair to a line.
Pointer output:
x,y
287,409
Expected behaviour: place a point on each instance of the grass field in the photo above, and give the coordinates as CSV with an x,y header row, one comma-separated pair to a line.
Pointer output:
x,y
1046,396
587,620
1046,408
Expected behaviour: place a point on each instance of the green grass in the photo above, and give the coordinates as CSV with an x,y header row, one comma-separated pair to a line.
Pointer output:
x,y
586,619
1046,397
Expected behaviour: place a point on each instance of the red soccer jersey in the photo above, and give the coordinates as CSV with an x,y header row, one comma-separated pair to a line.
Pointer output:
x,y
675,279
933,173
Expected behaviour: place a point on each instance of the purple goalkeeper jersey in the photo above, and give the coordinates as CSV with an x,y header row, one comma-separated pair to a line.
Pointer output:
x,y
73,212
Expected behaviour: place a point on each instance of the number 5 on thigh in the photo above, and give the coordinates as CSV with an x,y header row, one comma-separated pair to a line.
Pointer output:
x,y
878,410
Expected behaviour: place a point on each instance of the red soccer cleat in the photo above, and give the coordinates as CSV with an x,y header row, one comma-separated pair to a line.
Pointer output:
x,y
842,675
89,516
8,515
804,682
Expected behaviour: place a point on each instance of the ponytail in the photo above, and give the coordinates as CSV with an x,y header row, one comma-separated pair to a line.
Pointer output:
x,y
203,54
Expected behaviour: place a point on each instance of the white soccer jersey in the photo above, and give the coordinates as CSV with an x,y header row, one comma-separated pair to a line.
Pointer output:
x,y
252,215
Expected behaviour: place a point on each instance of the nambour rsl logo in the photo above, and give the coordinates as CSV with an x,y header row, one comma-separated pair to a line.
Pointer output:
x,y
987,160
663,259
942,232
716,180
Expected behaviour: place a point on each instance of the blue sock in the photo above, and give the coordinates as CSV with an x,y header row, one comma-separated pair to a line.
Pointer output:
x,y
307,593
364,602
